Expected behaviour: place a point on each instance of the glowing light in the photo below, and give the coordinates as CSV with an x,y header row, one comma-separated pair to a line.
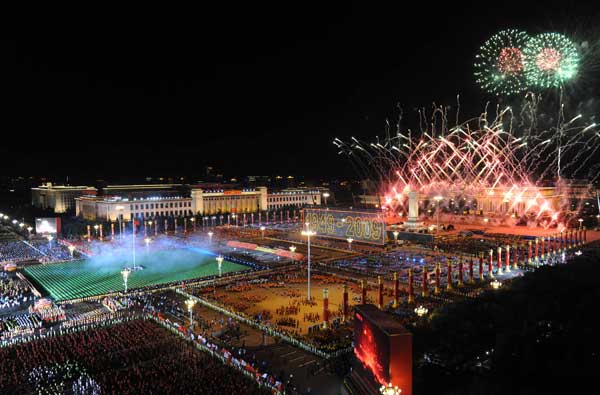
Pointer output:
x,y
551,59
496,284
390,390
421,311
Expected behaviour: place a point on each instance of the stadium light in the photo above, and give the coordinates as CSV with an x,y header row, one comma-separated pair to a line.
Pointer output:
x,y
308,233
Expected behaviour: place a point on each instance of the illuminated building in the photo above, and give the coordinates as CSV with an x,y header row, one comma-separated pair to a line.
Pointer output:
x,y
60,198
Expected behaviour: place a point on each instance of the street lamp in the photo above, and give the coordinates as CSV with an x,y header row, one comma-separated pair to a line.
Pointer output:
x,y
71,249
350,240
389,390
190,305
147,240
96,229
14,221
29,229
395,233
292,250
308,233
325,196
421,311
193,223
125,273
496,284
580,223
262,230
21,225
438,199
210,235
219,263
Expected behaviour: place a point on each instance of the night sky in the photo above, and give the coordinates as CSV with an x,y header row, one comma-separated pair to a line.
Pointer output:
x,y
253,90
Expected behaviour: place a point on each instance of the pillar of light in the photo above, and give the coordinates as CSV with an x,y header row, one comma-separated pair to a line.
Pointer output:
x,y
190,305
210,235
125,273
219,263
308,233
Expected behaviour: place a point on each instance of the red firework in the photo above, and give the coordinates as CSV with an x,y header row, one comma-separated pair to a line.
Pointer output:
x,y
548,59
510,61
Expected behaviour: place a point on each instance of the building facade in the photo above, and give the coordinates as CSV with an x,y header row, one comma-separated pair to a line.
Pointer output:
x,y
297,197
60,198
200,202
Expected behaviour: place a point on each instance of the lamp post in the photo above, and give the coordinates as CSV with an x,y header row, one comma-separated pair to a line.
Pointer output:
x,y
219,263
395,233
14,222
262,231
421,311
147,240
125,273
580,223
325,196
438,199
193,219
308,233
71,249
190,306
292,250
210,235
50,238
496,284
350,240
96,230
389,390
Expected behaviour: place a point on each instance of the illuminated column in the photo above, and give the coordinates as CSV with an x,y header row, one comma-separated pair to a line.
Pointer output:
x,y
561,241
364,291
380,292
101,234
499,260
481,267
438,272
345,303
413,206
396,288
529,252
89,234
411,296
425,291
252,219
460,271
155,228
569,238
449,275
543,248
175,226
537,249
184,225
507,265
555,248
490,264
166,225
516,257
145,228
471,278
325,308
112,231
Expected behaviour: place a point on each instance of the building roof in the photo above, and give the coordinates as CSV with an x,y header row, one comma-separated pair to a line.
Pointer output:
x,y
382,320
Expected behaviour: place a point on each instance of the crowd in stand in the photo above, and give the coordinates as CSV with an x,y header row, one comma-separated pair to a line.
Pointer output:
x,y
17,251
138,357
13,291
52,251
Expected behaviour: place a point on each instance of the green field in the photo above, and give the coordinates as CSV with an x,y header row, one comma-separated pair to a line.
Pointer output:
x,y
102,274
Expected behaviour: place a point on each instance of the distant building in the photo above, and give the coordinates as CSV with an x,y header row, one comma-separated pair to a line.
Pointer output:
x,y
146,202
298,197
60,198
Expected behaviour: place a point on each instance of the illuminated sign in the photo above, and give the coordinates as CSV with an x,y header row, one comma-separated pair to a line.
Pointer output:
x,y
361,226
47,225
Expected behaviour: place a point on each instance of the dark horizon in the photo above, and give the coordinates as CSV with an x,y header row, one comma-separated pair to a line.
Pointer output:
x,y
251,91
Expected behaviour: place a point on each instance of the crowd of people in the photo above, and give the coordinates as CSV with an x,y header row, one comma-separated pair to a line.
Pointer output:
x,y
138,357
52,251
17,251
13,291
